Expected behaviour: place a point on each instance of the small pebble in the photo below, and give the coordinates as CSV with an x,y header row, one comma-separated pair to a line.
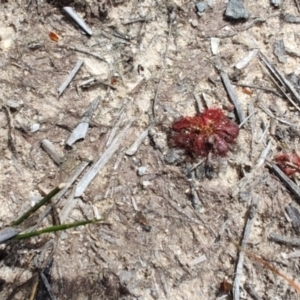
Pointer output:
x,y
34,127
142,171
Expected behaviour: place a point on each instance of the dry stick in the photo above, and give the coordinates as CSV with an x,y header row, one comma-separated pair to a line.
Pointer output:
x,y
95,82
232,96
196,165
77,19
47,285
280,88
269,267
8,233
51,150
70,77
136,144
245,120
199,106
279,77
137,20
288,182
268,112
70,203
289,241
263,156
98,165
247,230
258,88
118,122
294,215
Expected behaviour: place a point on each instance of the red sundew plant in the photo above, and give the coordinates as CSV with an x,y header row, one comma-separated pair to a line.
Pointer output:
x,y
208,132
289,163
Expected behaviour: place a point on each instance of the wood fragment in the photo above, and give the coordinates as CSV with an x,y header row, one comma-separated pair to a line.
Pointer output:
x,y
48,286
294,215
69,204
246,60
239,266
101,162
81,129
70,77
142,20
232,96
246,119
258,88
134,147
95,82
293,188
288,241
8,233
281,79
294,254
51,150
117,123
78,20
263,156
270,114
198,260
198,102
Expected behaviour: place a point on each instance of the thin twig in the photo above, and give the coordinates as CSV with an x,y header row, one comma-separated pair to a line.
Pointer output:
x,y
294,189
143,20
240,262
70,77
251,86
263,156
101,162
136,144
246,119
276,75
288,241
232,96
48,286
268,112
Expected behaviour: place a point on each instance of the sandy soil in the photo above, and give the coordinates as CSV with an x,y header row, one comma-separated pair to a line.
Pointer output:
x,y
154,243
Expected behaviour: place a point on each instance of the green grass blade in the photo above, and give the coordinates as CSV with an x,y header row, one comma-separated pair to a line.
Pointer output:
x,y
45,200
54,229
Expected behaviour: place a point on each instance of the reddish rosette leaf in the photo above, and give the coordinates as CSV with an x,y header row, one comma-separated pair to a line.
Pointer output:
x,y
210,131
289,163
